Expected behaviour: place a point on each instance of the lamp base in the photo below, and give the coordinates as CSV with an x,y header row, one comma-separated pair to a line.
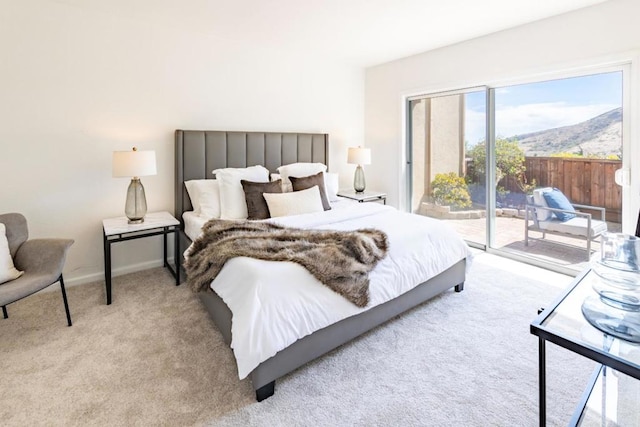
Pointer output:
x,y
136,206
359,183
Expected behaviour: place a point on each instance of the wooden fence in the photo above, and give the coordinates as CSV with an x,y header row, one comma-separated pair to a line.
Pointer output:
x,y
583,181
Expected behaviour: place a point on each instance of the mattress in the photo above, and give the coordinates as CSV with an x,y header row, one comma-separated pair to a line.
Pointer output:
x,y
276,303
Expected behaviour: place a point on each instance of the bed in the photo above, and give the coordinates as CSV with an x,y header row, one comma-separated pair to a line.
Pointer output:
x,y
198,153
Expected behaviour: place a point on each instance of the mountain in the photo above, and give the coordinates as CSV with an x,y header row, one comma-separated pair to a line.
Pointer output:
x,y
600,135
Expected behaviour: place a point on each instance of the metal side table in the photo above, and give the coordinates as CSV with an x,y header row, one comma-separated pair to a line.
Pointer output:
x,y
116,230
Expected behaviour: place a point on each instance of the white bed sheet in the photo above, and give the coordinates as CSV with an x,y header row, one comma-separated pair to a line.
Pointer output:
x,y
276,303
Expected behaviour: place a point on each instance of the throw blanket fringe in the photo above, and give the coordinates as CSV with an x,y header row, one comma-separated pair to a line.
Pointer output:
x,y
341,260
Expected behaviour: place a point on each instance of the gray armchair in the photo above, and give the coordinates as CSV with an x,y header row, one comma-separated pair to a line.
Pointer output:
x,y
41,260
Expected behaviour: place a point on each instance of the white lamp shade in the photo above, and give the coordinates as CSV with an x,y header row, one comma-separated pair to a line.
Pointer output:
x,y
134,163
359,156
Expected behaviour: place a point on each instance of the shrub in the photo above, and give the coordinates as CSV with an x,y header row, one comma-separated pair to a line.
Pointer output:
x,y
509,163
449,189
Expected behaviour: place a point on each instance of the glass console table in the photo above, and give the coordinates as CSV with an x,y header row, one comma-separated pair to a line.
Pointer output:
x,y
613,395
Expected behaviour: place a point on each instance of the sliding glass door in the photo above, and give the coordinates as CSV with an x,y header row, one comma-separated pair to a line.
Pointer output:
x,y
564,134
475,155
443,183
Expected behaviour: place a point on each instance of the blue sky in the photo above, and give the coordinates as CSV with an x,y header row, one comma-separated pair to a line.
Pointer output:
x,y
545,105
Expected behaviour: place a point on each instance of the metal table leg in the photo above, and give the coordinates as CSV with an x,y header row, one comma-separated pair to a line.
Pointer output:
x,y
164,245
107,266
176,254
174,270
542,381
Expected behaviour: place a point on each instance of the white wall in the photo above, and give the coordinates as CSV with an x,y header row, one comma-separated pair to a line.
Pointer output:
x,y
77,84
604,33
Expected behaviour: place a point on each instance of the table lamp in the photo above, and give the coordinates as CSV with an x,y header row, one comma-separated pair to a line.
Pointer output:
x,y
359,156
134,164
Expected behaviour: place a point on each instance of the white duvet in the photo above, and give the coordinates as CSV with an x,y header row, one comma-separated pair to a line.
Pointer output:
x,y
276,303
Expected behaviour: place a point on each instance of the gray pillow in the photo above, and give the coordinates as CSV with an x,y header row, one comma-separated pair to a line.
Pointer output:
x,y
308,182
256,204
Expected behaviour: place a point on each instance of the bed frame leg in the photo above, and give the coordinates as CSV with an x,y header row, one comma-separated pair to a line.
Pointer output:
x,y
459,287
265,391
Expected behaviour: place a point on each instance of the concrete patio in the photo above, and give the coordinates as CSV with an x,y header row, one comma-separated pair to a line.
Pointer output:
x,y
509,236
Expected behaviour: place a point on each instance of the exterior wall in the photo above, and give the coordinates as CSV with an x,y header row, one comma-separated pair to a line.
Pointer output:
x,y
446,139
419,146
437,131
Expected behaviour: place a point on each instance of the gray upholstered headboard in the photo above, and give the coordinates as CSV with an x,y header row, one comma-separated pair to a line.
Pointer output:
x,y
199,152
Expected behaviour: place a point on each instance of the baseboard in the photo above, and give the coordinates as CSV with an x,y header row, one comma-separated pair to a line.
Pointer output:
x,y
99,276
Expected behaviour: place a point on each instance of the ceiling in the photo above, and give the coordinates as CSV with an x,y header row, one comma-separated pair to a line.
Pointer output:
x,y
359,32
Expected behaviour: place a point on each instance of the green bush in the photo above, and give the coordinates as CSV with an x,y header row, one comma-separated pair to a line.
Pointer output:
x,y
509,163
449,189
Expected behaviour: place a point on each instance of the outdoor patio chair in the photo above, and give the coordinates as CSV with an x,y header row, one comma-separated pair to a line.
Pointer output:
x,y
548,211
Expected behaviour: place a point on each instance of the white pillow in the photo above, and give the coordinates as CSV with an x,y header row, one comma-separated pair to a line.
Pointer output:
x,y
205,197
539,200
295,203
232,202
210,204
299,170
331,184
7,270
286,188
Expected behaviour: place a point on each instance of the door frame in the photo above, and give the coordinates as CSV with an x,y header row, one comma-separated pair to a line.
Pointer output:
x,y
630,205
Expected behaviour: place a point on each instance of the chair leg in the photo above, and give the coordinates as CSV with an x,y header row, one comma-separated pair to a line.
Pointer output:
x,y
4,312
64,298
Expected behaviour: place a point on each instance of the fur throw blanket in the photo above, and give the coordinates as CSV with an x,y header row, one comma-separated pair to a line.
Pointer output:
x,y
341,260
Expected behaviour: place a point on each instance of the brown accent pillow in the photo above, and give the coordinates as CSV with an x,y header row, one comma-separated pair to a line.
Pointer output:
x,y
256,204
306,182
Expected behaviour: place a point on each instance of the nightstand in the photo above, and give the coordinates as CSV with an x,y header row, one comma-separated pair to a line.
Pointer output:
x,y
116,230
364,196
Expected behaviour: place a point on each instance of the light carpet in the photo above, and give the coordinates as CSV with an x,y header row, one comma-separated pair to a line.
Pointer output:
x,y
153,357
